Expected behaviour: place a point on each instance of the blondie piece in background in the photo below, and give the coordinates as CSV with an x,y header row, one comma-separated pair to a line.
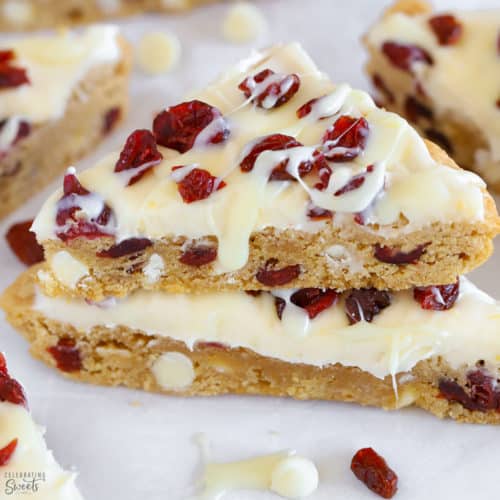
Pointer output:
x,y
59,96
442,72
34,14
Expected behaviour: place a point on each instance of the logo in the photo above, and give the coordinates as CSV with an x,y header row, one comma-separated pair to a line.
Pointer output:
x,y
23,483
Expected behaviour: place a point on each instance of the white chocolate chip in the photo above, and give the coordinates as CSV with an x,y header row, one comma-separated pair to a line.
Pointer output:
x,y
294,477
173,371
158,52
18,12
244,22
154,268
68,270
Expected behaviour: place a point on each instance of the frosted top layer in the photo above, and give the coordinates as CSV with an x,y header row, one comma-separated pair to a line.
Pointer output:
x,y
398,337
463,78
54,66
365,165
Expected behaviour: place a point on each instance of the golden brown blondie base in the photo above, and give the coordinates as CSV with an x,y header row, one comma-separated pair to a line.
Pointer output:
x,y
453,250
98,103
122,356
460,138
18,15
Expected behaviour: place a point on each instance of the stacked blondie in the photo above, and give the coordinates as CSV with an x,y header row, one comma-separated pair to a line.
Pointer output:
x,y
275,234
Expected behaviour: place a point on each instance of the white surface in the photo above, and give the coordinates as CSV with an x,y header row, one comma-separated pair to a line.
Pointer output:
x,y
129,445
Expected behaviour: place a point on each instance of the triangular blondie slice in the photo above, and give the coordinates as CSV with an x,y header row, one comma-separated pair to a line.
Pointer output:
x,y
271,177
434,347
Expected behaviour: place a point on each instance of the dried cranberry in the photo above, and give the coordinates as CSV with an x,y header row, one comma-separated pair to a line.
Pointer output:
x,y
379,84
404,56
66,355
23,130
126,247
414,110
111,118
199,255
140,152
355,182
198,185
372,470
498,103
6,55
346,139
280,305
364,304
419,88
392,255
23,243
440,139
6,452
280,89
212,345
318,213
10,389
437,298
482,394
446,28
179,126
10,75
306,108
314,300
270,276
359,218
324,172
69,213
253,293
275,142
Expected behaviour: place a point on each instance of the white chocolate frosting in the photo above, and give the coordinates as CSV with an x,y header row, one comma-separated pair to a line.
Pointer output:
x,y
395,341
55,65
31,456
464,80
403,179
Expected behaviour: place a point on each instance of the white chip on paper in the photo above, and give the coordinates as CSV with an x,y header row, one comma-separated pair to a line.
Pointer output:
x,y
158,52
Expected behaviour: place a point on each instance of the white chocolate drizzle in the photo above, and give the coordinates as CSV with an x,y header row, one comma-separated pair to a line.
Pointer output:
x,y
285,473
